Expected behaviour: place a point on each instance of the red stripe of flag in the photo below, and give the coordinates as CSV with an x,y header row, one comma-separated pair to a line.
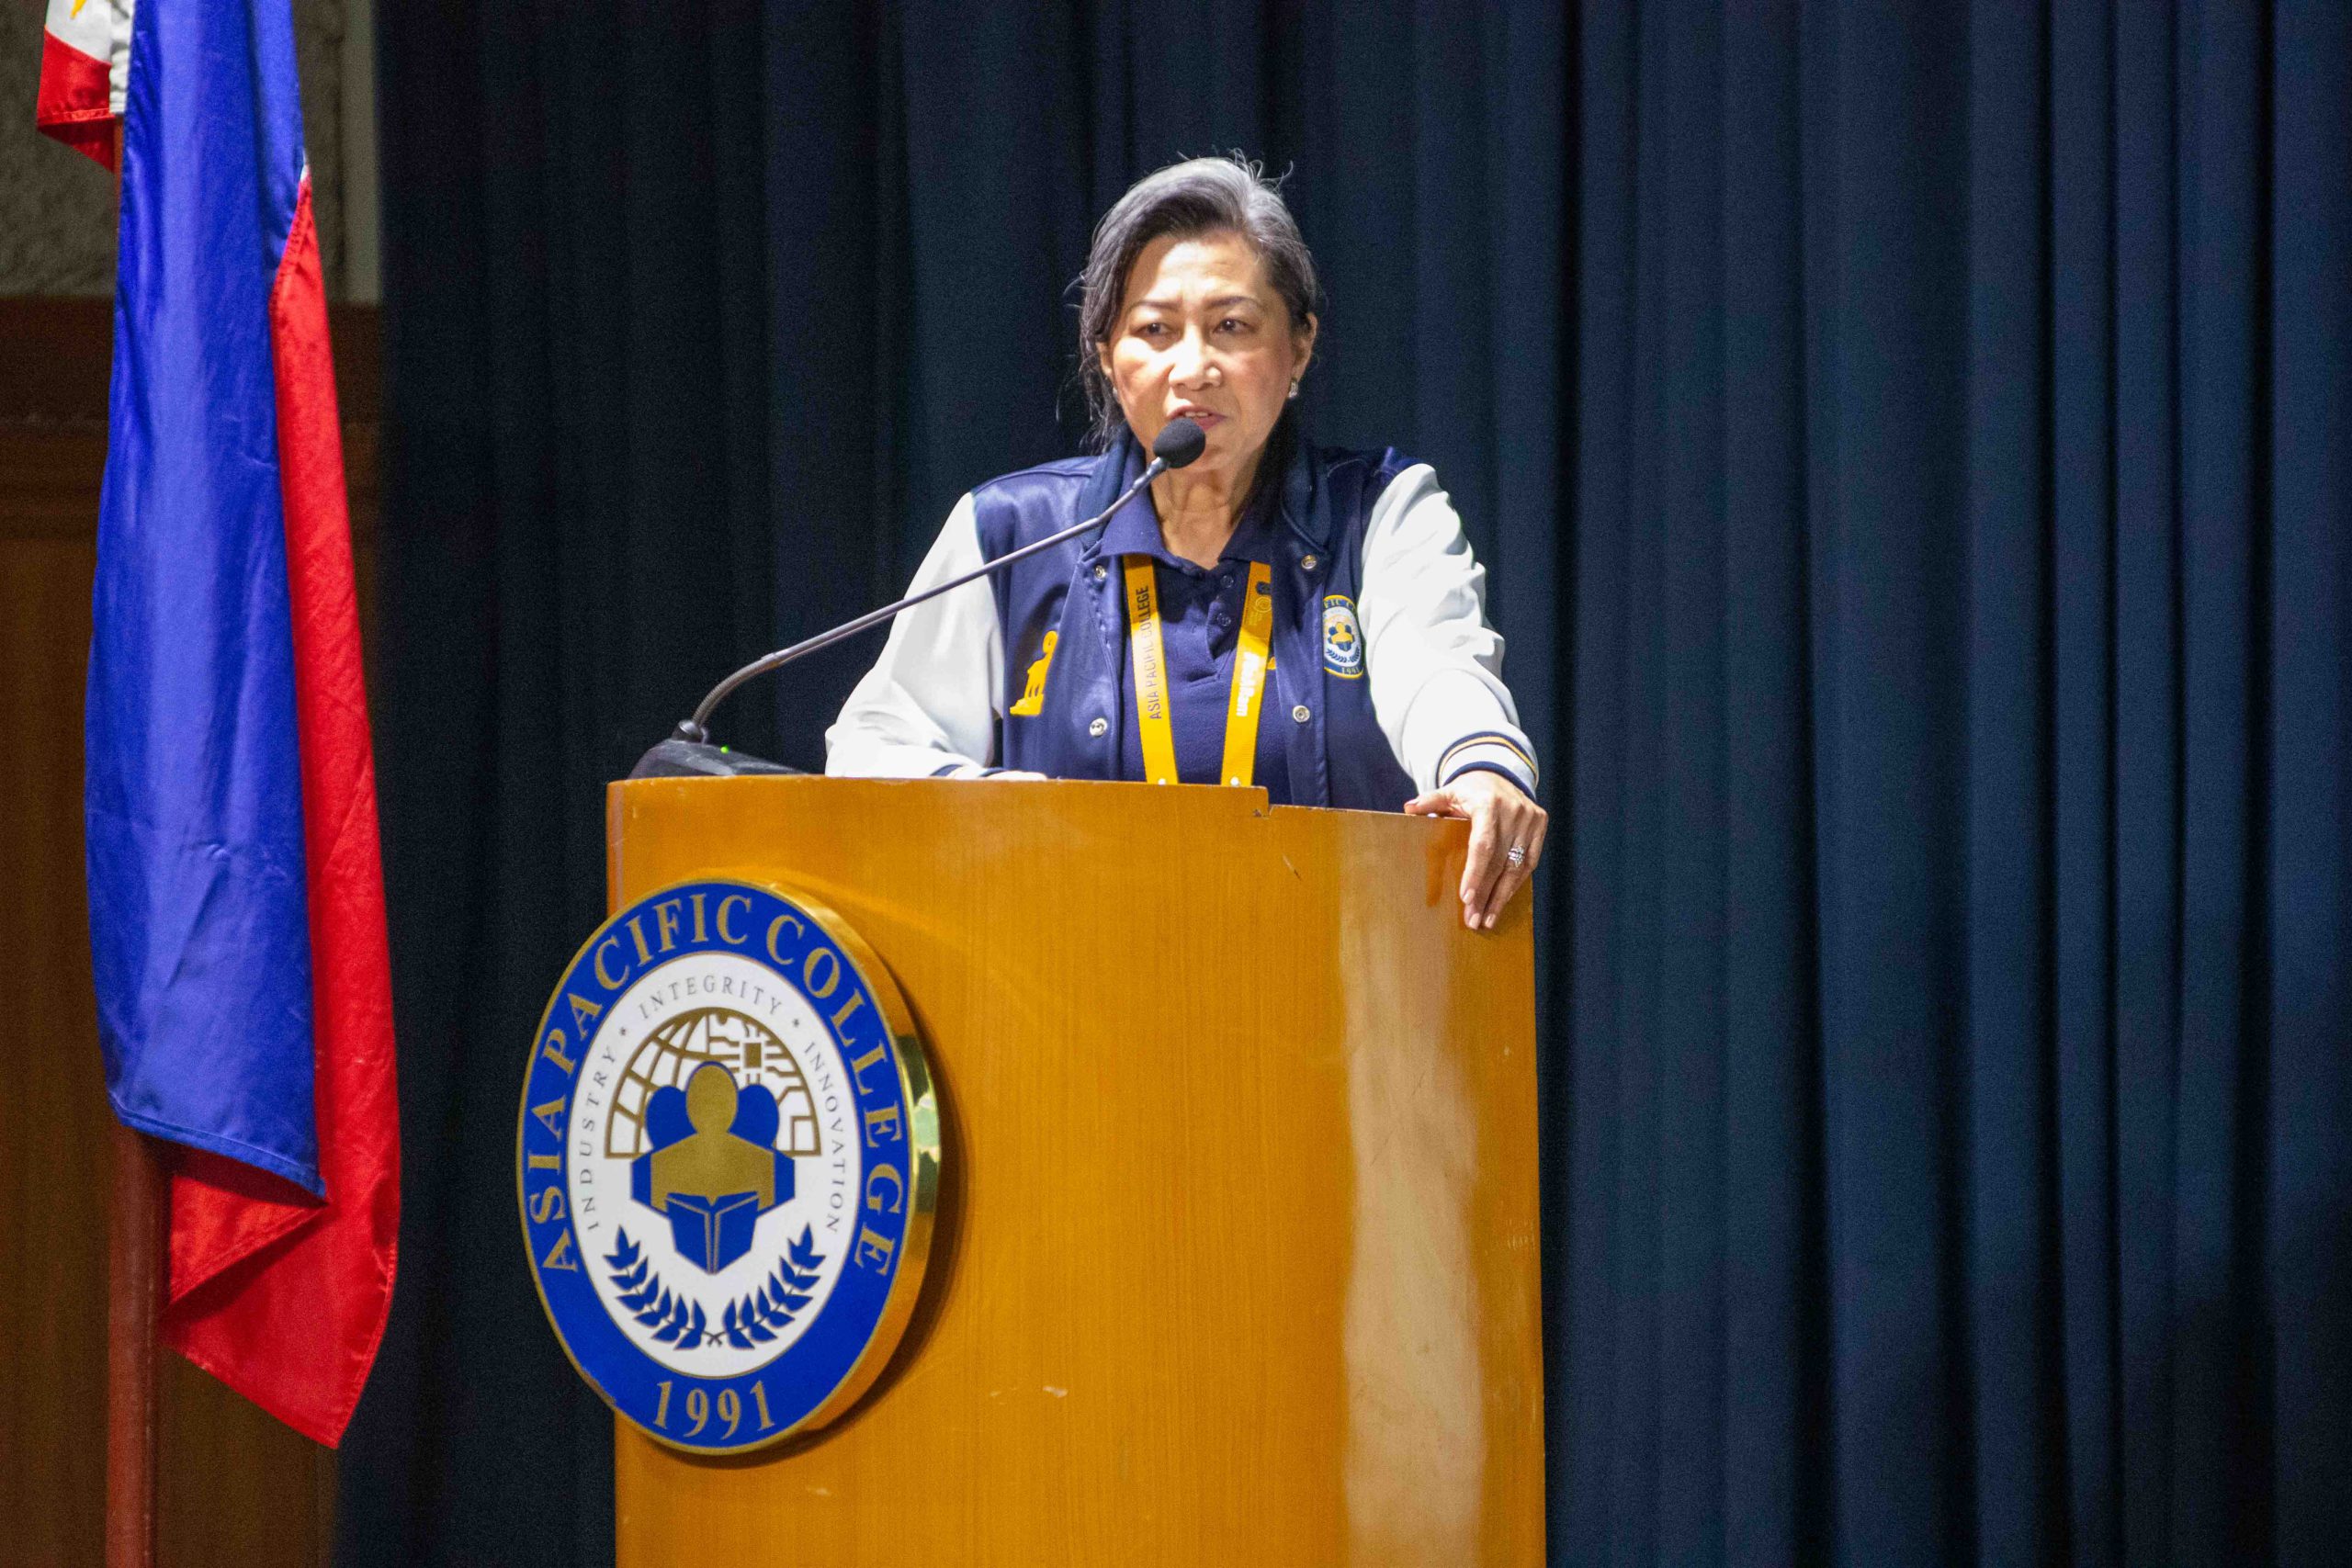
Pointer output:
x,y
286,1300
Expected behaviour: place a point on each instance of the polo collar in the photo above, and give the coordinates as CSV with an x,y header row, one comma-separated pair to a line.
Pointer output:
x,y
1136,532
1135,528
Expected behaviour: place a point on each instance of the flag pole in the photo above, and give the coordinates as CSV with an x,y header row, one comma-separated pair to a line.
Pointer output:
x,y
134,1268
134,1299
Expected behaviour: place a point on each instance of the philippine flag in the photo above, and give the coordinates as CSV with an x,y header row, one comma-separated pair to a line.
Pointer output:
x,y
236,896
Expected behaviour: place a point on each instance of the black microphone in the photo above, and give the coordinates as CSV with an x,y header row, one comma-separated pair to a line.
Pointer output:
x,y
688,752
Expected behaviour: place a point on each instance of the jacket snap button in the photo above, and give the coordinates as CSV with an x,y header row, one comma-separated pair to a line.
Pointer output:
x,y
1100,571
1300,713
1306,563
1102,726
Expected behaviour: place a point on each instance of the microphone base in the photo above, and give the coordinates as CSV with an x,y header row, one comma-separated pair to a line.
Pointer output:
x,y
676,758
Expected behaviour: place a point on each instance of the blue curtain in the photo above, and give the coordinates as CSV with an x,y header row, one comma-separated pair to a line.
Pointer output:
x,y
1910,442
1951,1128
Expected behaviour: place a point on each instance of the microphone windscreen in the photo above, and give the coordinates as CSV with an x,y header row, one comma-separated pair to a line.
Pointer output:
x,y
1180,442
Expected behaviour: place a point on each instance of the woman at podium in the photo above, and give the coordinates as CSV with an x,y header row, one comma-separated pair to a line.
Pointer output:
x,y
1304,619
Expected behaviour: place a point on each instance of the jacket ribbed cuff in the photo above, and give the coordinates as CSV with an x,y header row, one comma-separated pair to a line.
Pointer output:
x,y
1490,751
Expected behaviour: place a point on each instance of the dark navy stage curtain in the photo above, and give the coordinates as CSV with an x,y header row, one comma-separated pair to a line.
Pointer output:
x,y
575,528
1910,442
1952,1124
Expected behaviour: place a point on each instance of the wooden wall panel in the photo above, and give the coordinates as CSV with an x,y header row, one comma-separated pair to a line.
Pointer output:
x,y
52,1112
234,1486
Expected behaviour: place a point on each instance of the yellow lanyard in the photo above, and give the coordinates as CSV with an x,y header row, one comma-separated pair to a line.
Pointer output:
x,y
1151,673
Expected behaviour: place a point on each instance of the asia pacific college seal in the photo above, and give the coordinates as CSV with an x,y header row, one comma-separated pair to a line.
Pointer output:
x,y
728,1160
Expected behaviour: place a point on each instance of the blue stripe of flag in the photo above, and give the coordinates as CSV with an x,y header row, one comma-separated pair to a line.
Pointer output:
x,y
198,905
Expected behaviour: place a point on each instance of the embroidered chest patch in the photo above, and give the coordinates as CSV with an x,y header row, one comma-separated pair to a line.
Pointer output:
x,y
1342,638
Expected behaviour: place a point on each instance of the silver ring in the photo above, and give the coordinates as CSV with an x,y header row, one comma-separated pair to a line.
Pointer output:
x,y
1517,855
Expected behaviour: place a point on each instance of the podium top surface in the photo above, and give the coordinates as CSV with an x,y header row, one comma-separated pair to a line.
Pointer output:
x,y
756,818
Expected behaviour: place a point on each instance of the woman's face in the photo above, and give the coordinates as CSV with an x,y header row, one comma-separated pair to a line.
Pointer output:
x,y
1202,335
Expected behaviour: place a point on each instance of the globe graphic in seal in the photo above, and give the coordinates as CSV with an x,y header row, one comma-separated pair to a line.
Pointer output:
x,y
750,1052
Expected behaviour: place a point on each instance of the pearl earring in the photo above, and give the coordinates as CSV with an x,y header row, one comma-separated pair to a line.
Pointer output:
x,y
1294,392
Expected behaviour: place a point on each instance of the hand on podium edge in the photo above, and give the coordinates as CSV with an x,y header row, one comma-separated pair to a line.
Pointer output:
x,y
1500,817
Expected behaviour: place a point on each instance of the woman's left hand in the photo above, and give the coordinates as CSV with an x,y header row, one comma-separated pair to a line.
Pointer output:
x,y
1501,818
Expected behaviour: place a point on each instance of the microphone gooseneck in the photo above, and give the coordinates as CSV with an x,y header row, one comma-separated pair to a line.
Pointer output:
x,y
1179,444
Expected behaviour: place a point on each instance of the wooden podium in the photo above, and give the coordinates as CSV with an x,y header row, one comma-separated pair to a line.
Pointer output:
x,y
1237,1256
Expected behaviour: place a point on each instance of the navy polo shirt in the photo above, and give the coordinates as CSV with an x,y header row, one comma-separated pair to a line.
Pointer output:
x,y
1200,627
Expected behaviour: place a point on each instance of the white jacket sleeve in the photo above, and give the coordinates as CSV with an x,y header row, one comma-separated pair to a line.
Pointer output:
x,y
927,707
1434,664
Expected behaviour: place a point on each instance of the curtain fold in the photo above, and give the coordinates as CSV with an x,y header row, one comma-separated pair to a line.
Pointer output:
x,y
1909,445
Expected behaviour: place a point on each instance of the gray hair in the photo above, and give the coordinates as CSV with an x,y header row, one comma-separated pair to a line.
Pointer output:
x,y
1202,196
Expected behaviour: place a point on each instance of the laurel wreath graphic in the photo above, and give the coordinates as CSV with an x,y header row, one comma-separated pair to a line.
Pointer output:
x,y
757,1318
678,1319
674,1317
